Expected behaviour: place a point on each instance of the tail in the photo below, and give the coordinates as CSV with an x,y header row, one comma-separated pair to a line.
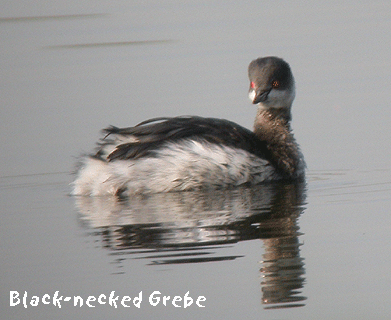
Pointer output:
x,y
92,178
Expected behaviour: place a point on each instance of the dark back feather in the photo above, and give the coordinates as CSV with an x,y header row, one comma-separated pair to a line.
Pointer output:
x,y
153,134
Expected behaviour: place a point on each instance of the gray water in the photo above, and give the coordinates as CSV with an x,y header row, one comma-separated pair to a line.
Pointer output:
x,y
319,250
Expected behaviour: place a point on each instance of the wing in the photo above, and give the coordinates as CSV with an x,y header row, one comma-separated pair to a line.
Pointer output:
x,y
148,136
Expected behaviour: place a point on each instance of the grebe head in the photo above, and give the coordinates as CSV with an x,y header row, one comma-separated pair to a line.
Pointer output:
x,y
271,83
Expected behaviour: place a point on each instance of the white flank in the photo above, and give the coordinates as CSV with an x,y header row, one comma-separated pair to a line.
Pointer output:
x,y
175,167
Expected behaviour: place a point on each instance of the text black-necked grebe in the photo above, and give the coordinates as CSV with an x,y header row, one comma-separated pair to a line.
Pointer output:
x,y
186,153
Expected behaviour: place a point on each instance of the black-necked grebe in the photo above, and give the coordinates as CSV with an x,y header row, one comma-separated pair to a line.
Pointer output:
x,y
186,153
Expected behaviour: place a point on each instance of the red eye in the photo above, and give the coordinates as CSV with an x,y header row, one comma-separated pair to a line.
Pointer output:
x,y
275,84
252,84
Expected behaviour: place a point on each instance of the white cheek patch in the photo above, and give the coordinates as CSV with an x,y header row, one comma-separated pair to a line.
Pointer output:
x,y
279,99
275,99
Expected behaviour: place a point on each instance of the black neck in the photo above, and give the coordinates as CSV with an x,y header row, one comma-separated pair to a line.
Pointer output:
x,y
272,119
273,127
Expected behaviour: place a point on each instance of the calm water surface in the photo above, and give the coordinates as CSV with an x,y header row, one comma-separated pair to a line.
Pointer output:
x,y
318,250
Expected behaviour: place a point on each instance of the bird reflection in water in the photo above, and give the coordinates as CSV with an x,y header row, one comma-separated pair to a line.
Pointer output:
x,y
183,227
